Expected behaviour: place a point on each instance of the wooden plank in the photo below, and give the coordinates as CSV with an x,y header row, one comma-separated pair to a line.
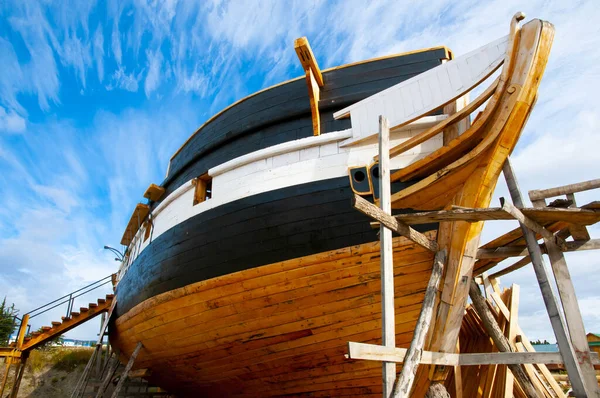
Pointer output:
x,y
579,232
18,376
518,265
135,221
458,128
409,370
140,373
531,224
573,317
22,331
392,223
546,215
110,372
525,342
126,371
502,343
388,322
5,377
538,194
564,343
374,352
313,96
418,87
154,192
512,323
519,251
307,59
438,128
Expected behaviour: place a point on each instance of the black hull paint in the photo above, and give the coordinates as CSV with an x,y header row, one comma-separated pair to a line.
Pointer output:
x,y
262,229
282,113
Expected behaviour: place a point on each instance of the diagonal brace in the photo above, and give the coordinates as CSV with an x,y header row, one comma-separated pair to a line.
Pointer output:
x,y
531,224
369,209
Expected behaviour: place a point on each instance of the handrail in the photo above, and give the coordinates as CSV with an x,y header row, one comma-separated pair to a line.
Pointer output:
x,y
70,297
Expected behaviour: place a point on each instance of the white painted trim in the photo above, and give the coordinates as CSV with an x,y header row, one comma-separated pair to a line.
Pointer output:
x,y
416,97
279,149
422,123
174,195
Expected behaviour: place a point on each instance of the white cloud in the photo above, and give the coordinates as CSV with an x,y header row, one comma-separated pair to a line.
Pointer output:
x,y
11,122
120,79
153,78
98,50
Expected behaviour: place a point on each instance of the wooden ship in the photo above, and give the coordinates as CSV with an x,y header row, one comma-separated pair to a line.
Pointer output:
x,y
255,268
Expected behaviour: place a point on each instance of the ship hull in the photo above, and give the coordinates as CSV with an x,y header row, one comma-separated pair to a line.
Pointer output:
x,y
279,329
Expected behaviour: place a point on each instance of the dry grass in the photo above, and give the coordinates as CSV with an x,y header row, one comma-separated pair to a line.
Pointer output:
x,y
59,358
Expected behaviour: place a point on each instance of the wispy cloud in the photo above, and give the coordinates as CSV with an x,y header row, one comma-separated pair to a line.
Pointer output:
x,y
11,122
120,79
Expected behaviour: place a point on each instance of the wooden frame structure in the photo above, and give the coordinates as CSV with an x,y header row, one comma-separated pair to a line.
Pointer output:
x,y
459,178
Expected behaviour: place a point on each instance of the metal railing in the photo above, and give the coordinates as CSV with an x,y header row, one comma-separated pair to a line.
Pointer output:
x,y
68,299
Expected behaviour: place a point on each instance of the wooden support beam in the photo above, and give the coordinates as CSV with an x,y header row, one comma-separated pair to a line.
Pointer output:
x,y
531,224
564,343
314,95
140,373
154,192
5,377
502,343
307,59
462,125
388,322
541,216
573,317
128,367
81,383
519,251
579,232
373,352
519,264
392,223
109,375
314,79
540,194
22,331
19,376
524,341
406,379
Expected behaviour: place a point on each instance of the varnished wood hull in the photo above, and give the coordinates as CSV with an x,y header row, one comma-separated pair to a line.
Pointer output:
x,y
279,329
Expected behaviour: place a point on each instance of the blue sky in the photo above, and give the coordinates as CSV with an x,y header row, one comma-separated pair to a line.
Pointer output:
x,y
96,96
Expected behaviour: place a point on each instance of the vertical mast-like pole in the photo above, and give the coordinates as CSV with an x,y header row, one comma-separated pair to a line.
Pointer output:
x,y
388,322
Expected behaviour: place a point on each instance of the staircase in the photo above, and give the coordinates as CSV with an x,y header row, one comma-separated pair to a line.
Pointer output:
x,y
69,322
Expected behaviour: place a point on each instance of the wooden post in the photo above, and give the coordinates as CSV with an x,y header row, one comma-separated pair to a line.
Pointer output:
x,y
127,369
573,317
5,378
388,322
413,356
101,338
564,343
501,342
19,375
22,330
80,386
109,375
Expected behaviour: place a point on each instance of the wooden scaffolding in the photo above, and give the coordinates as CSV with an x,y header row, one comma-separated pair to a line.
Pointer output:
x,y
494,315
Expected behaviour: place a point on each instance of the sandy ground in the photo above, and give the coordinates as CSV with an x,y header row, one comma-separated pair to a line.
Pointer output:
x,y
50,374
